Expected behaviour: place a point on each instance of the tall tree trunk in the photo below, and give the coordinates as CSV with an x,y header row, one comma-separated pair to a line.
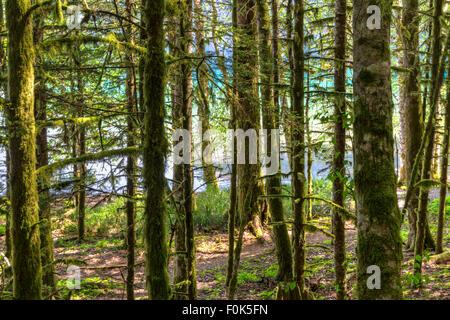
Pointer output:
x,y
155,151
268,66
340,40
379,218
186,114
43,183
131,159
233,182
247,115
4,86
298,152
412,125
209,173
180,269
26,262
287,118
81,141
437,73
309,159
444,169
412,116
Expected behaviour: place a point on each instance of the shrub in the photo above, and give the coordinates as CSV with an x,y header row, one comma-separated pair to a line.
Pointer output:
x,y
211,210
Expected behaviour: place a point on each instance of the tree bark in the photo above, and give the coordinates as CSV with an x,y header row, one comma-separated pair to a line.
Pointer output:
x,y
340,39
298,152
209,173
155,151
379,218
131,159
444,168
247,115
437,74
268,66
26,264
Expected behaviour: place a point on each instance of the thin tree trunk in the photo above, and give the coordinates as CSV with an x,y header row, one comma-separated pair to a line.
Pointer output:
x,y
444,167
298,152
412,125
209,173
415,116
186,113
131,159
8,240
309,159
270,106
340,39
437,73
233,182
155,151
379,219
45,225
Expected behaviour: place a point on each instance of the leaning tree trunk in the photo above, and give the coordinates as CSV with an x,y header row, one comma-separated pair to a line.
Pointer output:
x,y
379,219
268,65
26,264
437,73
155,151
412,116
340,39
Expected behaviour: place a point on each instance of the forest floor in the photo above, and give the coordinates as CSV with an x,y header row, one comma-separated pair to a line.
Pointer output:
x,y
103,276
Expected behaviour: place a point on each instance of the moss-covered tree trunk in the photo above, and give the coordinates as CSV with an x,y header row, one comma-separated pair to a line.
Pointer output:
x,y
268,68
286,112
26,262
186,121
45,225
444,171
131,92
437,73
379,220
410,109
412,116
4,86
155,151
233,180
209,173
340,40
309,158
298,152
248,117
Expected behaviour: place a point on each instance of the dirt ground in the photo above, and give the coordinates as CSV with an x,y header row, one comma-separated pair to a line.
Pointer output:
x,y
103,276
257,258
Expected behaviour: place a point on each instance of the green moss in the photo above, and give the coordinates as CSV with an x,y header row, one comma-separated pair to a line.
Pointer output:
x,y
367,76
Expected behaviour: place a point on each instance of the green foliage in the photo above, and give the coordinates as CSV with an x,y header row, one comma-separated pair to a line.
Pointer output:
x,y
90,288
271,272
433,207
106,220
212,210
